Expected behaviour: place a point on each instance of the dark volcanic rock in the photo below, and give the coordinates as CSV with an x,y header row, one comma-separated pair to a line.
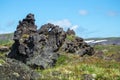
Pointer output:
x,y
77,46
70,32
39,48
15,70
36,48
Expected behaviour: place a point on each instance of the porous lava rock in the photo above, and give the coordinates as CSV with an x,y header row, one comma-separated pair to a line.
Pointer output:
x,y
40,48
16,70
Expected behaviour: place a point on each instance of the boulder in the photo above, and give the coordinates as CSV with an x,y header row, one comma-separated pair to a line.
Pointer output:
x,y
14,70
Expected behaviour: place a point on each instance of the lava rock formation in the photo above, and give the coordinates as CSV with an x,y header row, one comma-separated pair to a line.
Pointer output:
x,y
40,48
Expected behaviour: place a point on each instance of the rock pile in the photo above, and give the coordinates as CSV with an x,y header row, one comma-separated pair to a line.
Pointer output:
x,y
39,48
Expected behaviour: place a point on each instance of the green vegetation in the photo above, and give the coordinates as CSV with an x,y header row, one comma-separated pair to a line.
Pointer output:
x,y
73,67
6,43
62,60
2,61
71,37
108,49
6,39
25,36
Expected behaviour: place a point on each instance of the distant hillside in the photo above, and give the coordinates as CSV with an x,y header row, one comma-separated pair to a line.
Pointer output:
x,y
6,38
108,38
104,41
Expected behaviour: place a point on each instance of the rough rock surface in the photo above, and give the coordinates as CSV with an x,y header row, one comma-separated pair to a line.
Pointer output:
x,y
14,70
39,48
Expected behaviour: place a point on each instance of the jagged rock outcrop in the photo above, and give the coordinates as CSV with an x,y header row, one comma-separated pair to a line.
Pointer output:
x,y
70,32
76,45
39,48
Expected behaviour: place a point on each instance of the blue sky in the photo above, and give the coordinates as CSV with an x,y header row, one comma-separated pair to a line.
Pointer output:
x,y
89,18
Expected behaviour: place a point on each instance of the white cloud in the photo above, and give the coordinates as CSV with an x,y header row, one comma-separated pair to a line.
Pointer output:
x,y
74,27
65,24
112,13
83,12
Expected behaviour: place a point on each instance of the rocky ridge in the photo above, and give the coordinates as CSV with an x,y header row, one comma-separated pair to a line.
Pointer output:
x,y
41,48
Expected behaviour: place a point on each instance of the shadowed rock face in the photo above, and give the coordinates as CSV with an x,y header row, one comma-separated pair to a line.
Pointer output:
x,y
39,48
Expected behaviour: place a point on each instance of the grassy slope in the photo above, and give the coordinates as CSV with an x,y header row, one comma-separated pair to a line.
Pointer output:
x,y
73,67
6,36
6,39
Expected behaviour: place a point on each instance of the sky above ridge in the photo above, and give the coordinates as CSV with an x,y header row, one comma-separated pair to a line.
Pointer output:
x,y
89,18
